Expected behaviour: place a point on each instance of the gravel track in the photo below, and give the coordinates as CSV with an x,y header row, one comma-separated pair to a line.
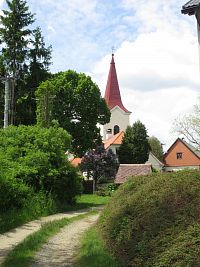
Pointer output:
x,y
12,238
59,251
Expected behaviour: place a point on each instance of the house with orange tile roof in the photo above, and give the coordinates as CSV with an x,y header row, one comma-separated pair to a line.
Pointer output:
x,y
181,155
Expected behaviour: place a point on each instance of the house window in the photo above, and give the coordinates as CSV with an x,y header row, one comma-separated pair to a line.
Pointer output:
x,y
179,155
116,129
109,131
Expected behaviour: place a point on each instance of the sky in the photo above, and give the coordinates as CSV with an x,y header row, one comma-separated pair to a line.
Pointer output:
x,y
156,53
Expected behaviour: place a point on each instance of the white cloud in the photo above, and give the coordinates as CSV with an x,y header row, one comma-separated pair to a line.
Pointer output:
x,y
158,72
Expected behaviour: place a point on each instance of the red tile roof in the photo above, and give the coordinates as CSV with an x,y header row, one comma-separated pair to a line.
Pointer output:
x,y
128,170
112,93
76,161
114,140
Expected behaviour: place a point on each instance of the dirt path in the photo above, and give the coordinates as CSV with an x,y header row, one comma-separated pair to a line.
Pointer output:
x,y
60,249
12,238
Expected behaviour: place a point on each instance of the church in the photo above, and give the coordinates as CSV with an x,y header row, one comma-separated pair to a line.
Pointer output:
x,y
120,116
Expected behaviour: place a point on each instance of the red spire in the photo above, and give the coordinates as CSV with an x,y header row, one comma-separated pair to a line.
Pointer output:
x,y
112,94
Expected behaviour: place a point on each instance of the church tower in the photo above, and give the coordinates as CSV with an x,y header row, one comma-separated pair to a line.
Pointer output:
x,y
119,114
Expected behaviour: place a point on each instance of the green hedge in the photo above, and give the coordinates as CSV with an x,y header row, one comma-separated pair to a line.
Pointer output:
x,y
155,220
33,159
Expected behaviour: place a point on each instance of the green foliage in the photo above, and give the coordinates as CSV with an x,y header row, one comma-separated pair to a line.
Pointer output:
x,y
13,33
156,147
14,193
76,103
106,189
93,252
24,60
36,157
134,147
36,205
154,220
42,205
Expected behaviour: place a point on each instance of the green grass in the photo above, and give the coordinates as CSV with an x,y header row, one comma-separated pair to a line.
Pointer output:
x,y
93,252
87,200
14,218
24,253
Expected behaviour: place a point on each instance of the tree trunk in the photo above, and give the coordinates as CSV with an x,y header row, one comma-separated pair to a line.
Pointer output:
x,y
6,105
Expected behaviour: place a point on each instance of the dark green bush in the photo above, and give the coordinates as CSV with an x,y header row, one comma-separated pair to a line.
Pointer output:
x,y
13,193
154,220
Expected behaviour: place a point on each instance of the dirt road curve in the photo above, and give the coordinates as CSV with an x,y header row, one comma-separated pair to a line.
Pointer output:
x,y
12,238
60,249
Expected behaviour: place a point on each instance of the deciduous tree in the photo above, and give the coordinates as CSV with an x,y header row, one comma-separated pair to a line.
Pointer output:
x,y
156,147
189,126
99,163
75,101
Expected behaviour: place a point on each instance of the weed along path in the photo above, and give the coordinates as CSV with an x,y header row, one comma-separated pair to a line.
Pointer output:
x,y
60,249
12,238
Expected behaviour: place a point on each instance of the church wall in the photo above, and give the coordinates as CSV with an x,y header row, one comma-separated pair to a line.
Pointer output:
x,y
118,117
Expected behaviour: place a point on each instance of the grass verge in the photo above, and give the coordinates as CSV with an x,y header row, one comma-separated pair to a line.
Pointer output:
x,y
36,209
24,253
93,252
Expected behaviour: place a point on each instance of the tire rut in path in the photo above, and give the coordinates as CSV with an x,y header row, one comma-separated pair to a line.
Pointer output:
x,y
12,238
59,251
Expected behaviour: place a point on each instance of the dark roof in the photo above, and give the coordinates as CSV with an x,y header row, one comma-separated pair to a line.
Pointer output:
x,y
190,7
128,170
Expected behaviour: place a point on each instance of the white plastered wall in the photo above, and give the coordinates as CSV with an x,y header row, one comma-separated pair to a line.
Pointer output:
x,y
118,117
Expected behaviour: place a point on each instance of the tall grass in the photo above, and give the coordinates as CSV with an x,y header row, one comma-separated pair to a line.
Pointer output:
x,y
93,252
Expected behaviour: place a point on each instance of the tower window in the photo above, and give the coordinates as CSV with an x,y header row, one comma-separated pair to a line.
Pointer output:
x,y
179,155
109,131
116,129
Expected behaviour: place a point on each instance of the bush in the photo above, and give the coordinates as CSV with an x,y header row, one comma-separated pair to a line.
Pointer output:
x,y
106,189
36,157
154,220
14,193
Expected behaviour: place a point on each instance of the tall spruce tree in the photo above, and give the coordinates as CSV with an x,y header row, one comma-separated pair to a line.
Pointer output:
x,y
135,147
14,37
24,59
39,61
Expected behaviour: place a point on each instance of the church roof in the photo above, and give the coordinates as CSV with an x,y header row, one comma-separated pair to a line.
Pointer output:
x,y
190,7
112,94
114,140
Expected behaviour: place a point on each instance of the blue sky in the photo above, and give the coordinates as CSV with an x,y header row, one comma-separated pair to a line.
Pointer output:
x,y
156,52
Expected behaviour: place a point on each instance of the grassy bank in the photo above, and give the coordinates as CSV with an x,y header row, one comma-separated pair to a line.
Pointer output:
x,y
39,207
24,253
93,252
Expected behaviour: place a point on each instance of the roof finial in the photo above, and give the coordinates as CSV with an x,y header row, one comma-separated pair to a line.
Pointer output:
x,y
113,50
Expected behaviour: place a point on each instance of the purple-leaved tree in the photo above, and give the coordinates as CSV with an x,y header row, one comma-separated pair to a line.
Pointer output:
x,y
99,163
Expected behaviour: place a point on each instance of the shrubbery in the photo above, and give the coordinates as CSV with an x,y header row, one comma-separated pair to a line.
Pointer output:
x,y
154,220
33,160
